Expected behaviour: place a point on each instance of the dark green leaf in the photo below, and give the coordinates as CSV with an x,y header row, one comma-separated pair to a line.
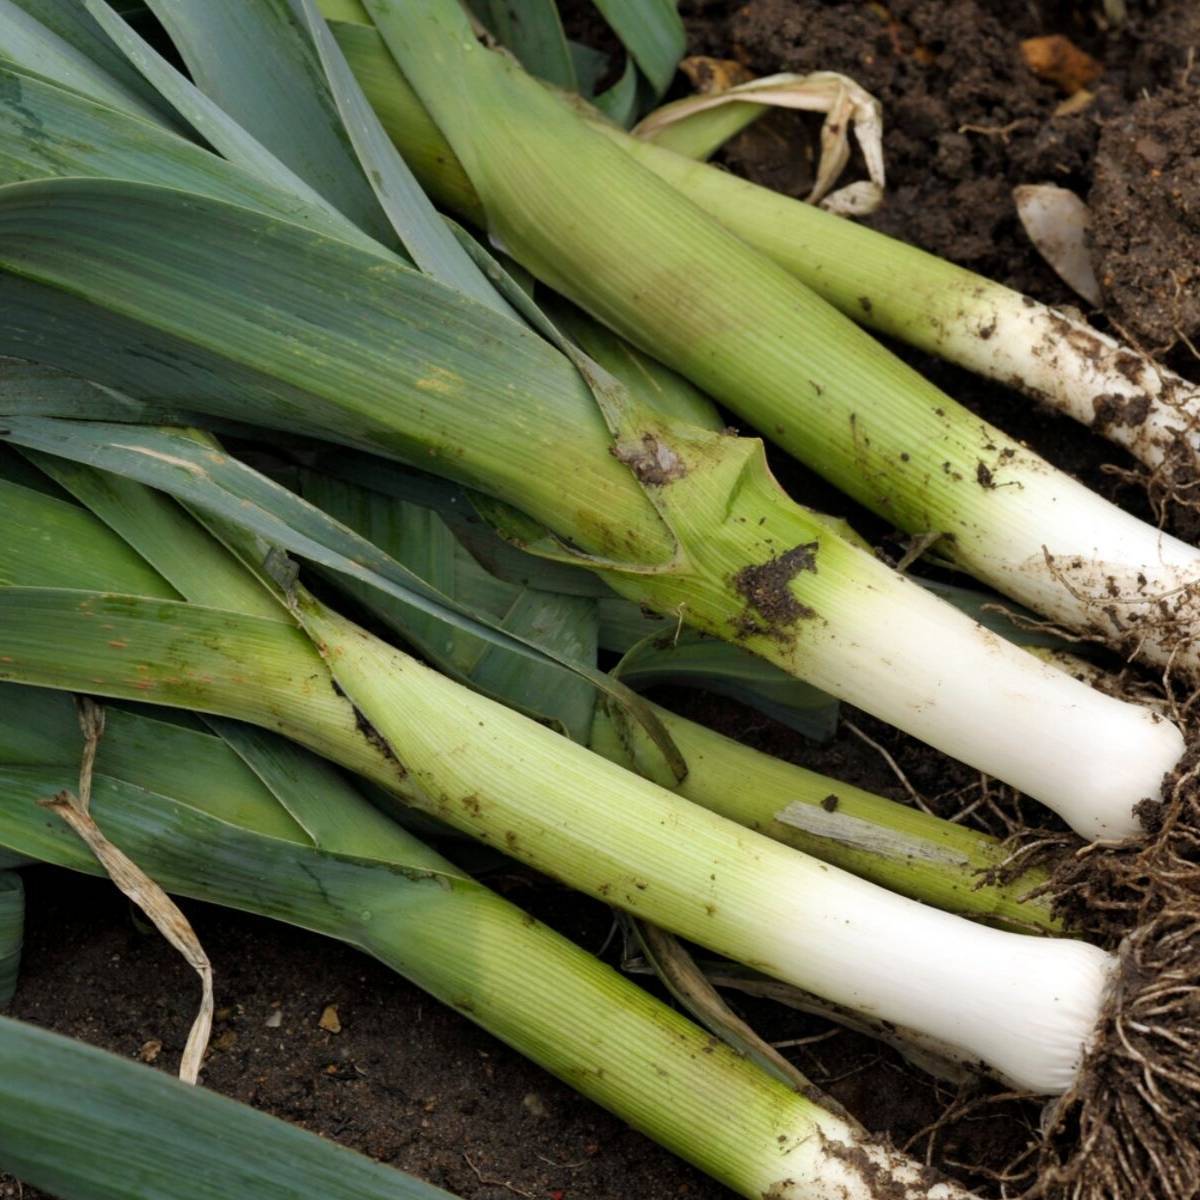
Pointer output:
x,y
12,932
49,542
216,126
253,59
620,102
88,1125
652,33
71,22
532,30
424,232
30,44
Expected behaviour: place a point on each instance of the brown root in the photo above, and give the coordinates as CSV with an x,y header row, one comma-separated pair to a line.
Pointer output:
x,y
1130,1127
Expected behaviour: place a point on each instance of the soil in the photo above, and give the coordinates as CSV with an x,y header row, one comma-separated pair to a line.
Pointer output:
x,y
415,1084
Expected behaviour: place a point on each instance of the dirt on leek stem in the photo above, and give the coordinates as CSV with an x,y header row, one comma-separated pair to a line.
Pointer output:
x,y
705,303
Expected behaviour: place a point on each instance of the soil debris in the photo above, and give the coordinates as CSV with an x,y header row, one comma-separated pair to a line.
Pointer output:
x,y
1111,408
767,587
1059,61
1145,206
366,727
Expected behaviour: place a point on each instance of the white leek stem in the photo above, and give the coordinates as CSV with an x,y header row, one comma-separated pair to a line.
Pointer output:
x,y
987,702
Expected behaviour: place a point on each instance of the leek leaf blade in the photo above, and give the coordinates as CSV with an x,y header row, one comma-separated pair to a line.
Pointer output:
x,y
252,58
56,1093
533,31
652,33
426,237
75,26
211,121
35,47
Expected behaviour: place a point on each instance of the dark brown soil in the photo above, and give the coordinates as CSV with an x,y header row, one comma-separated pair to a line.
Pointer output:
x,y
1145,201
415,1084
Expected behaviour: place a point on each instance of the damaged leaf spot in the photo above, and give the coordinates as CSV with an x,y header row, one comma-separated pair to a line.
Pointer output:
x,y
652,461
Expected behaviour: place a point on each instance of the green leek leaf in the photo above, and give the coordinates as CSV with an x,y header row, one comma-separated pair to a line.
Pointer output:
x,y
253,59
215,125
652,33
74,25
424,232
88,1125
532,30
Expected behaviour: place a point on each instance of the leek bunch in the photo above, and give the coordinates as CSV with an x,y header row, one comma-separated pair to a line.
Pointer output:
x,y
259,300
306,671
237,816
293,277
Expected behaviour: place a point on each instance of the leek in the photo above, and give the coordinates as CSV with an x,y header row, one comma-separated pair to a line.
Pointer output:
x,y
917,855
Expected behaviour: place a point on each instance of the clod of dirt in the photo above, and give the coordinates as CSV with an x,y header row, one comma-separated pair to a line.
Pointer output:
x,y
1059,61
767,588
1145,205
964,119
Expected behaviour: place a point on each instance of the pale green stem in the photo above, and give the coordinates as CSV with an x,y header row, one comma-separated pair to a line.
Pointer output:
x,y
900,848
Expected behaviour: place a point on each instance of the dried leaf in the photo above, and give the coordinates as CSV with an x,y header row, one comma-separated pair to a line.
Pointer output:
x,y
1057,222
843,102
710,76
138,886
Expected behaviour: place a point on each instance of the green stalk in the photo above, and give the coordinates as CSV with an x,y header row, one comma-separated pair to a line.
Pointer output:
x,y
650,262
416,912
899,848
